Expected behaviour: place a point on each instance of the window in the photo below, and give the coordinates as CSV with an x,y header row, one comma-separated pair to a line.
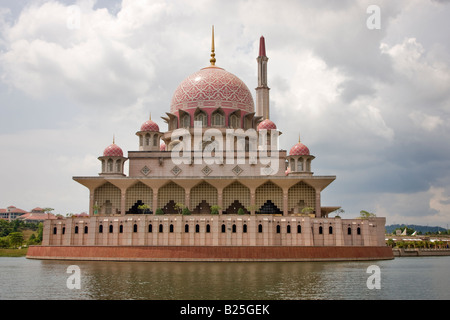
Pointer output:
x,y
155,140
218,119
223,228
208,228
320,230
278,229
54,230
358,231
288,229
300,164
186,121
330,230
160,228
171,228
197,228
85,229
233,228
121,229
299,229
63,230
135,228
150,228
110,165
100,229
147,139
260,228
202,117
118,166
234,121
244,228
76,229
186,228
349,230
111,228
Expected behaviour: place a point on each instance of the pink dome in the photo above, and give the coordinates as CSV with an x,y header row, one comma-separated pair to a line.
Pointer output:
x,y
267,124
212,87
299,150
150,125
113,151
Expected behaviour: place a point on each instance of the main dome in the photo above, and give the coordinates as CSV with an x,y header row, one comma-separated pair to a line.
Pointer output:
x,y
212,87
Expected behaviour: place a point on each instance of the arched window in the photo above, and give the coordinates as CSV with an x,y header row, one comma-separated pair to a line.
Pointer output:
x,y
330,230
349,230
147,139
135,227
85,229
218,119
171,228
76,229
110,165
234,121
299,229
111,228
54,230
141,140
288,229
358,231
100,228
150,228
208,228
160,228
155,140
186,121
278,229
300,164
260,228
186,228
244,228
118,165
233,228
223,228
320,230
197,228
64,230
202,117
121,229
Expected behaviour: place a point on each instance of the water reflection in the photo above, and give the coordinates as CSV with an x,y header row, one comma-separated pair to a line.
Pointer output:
x,y
402,278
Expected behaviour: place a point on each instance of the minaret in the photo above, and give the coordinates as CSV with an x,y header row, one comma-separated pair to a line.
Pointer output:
x,y
262,91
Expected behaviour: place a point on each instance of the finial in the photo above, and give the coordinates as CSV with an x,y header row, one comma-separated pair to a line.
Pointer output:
x,y
150,116
212,60
299,138
113,139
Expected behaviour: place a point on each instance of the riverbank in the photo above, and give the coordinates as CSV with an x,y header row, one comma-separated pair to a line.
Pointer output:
x,y
13,252
419,252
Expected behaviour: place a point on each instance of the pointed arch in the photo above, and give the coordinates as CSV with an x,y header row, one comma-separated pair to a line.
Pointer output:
x,y
218,118
203,196
301,195
269,198
136,195
169,195
107,197
235,196
201,116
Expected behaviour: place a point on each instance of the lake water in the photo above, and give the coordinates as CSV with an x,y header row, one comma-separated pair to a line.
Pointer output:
x,y
401,278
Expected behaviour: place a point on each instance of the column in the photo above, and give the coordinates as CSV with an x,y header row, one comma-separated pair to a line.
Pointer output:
x,y
123,195
318,206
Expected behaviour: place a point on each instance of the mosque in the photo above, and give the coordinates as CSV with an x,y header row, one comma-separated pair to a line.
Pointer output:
x,y
214,187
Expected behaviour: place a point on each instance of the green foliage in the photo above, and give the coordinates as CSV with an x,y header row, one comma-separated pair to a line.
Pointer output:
x,y
241,211
365,214
4,242
179,207
215,209
159,211
186,211
15,239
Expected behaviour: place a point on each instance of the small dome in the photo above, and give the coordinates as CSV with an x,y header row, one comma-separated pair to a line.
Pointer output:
x,y
113,151
150,125
299,150
162,147
267,125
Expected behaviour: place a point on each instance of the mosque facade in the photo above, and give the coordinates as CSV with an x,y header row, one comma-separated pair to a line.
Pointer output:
x,y
215,186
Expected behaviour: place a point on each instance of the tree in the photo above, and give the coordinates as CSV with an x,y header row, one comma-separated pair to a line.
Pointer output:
x,y
241,211
179,207
159,211
40,232
48,210
15,239
186,211
215,209
339,212
365,214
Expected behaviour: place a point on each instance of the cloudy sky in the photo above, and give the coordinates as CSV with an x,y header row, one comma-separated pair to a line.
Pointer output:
x,y
372,104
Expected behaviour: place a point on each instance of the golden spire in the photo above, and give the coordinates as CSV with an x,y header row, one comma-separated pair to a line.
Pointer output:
x,y
113,139
150,116
299,138
212,60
